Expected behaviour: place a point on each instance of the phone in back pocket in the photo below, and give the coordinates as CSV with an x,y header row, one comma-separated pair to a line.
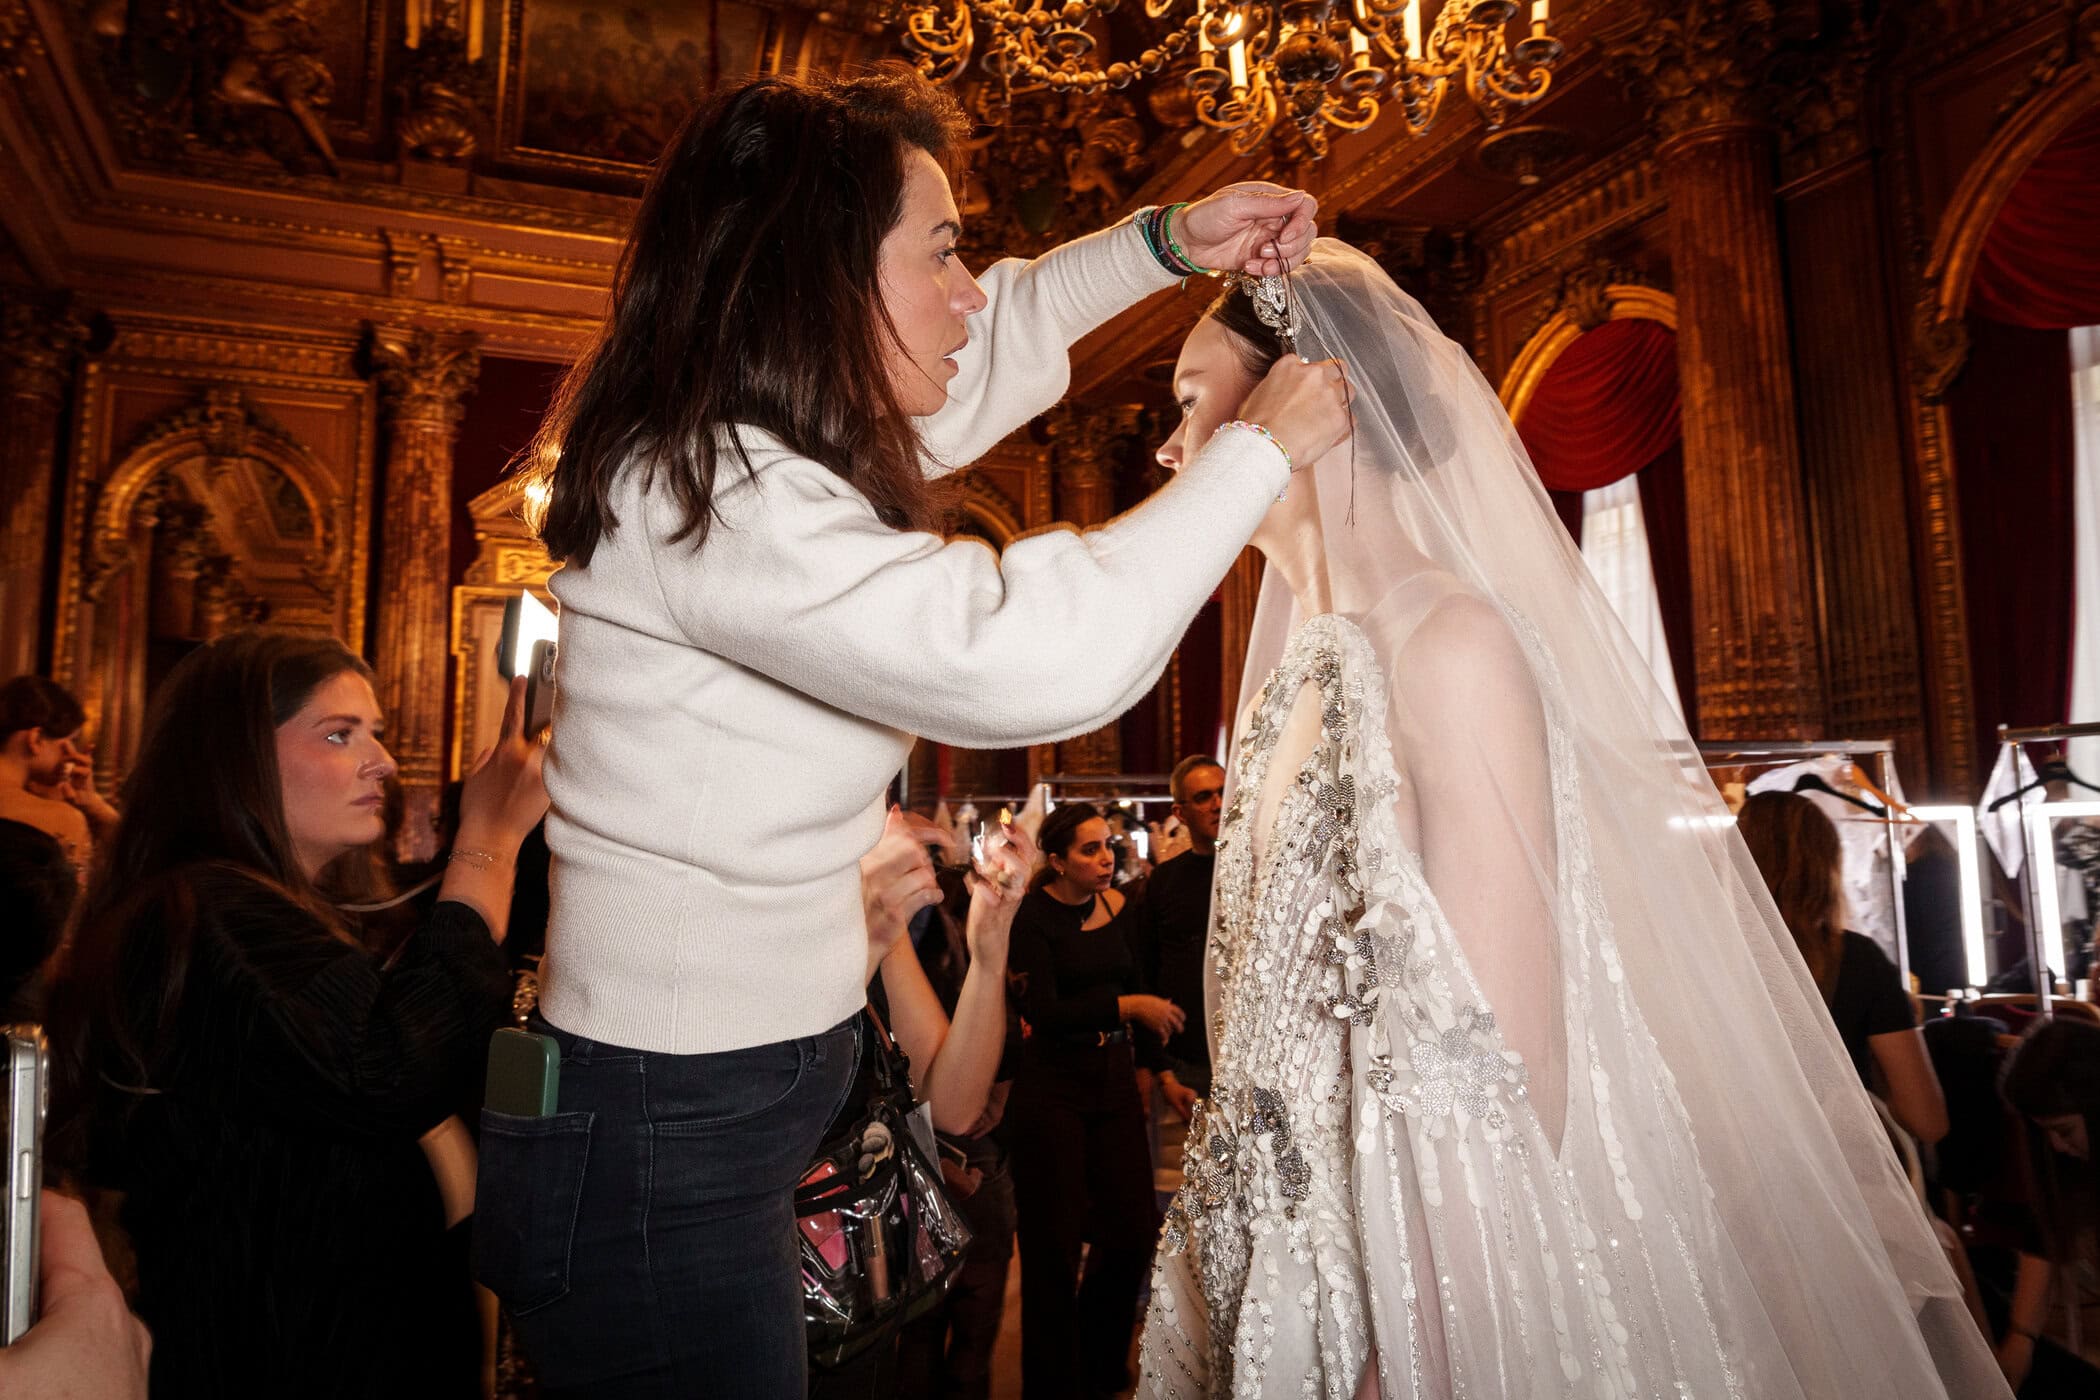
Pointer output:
x,y
524,1073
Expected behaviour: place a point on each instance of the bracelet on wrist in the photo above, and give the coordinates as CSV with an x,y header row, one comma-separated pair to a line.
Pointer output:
x,y
1151,222
1166,230
1246,426
480,860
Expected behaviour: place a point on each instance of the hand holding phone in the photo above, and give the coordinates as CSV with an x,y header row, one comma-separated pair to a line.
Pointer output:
x,y
86,1342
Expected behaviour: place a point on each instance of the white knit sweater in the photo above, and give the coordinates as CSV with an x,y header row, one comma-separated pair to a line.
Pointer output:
x,y
726,722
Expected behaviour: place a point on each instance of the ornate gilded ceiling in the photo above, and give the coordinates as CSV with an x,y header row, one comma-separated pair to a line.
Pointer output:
x,y
330,160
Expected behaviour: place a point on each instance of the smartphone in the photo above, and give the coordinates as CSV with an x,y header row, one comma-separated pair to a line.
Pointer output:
x,y
27,1100
539,690
526,620
524,1073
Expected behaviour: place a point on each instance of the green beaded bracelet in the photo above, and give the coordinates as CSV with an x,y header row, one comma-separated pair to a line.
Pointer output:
x,y
1166,228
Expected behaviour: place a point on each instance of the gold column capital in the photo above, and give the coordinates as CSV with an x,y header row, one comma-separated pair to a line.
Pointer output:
x,y
40,335
1695,64
424,375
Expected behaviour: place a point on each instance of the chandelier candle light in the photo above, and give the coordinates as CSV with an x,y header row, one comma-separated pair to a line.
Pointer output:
x,y
1317,64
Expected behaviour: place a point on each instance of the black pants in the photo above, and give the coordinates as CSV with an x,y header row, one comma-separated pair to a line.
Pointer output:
x,y
643,1237
947,1355
1082,1176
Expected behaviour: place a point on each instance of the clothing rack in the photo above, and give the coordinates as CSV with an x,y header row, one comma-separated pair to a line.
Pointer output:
x,y
1757,753
2044,917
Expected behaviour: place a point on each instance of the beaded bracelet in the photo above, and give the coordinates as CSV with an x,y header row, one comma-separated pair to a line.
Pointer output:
x,y
1258,428
1151,224
480,860
1166,231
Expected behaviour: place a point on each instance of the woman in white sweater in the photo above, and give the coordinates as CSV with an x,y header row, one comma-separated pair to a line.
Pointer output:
x,y
756,621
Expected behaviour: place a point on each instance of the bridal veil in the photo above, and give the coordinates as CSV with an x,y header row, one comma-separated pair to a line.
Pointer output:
x,y
1822,1272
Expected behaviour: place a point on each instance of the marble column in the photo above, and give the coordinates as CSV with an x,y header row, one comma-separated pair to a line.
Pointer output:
x,y
1088,447
424,377
1700,68
39,338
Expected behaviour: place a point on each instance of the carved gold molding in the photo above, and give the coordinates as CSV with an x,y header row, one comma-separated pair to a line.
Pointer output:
x,y
1622,302
1622,188
219,426
1695,64
1938,348
2026,133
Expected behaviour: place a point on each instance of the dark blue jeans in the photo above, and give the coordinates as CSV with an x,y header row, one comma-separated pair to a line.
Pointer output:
x,y
643,1236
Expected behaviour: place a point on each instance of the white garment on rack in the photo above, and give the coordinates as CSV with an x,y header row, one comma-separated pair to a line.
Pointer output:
x,y
2001,829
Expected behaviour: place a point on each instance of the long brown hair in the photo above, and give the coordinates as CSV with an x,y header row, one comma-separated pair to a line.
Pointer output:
x,y
749,294
1796,849
205,796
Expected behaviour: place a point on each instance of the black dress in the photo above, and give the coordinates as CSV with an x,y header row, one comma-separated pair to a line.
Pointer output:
x,y
289,1234
1082,1164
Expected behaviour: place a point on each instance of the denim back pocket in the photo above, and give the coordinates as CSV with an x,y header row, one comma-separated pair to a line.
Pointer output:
x,y
526,1204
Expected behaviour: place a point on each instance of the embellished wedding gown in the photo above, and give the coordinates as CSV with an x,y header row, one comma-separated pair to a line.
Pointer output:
x,y
1369,1178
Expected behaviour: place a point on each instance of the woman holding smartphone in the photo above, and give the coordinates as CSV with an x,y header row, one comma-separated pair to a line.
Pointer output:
x,y
253,1080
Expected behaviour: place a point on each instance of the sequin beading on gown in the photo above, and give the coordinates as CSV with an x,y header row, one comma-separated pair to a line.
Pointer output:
x,y
1368,1179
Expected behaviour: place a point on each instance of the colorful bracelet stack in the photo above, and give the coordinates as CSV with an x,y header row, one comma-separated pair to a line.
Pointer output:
x,y
1258,428
1156,224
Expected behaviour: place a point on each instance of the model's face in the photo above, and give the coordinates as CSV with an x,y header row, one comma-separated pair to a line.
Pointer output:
x,y
2067,1134
333,769
1211,382
1202,800
1090,863
926,288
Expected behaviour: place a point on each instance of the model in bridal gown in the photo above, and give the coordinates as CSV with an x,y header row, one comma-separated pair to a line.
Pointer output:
x,y
1456,798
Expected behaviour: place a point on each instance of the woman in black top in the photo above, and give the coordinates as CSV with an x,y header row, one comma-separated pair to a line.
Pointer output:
x,y
1797,850
1082,1169
254,1081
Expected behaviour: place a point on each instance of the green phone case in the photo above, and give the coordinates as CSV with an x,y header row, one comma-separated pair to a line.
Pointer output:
x,y
524,1073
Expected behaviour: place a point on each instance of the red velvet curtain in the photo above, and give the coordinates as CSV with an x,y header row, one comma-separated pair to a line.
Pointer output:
x,y
2039,266
2011,414
1606,408
2037,276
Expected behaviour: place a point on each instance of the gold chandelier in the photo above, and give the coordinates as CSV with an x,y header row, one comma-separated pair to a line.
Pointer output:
x,y
1313,63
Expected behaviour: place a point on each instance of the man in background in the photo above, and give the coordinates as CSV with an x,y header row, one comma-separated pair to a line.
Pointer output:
x,y
1176,925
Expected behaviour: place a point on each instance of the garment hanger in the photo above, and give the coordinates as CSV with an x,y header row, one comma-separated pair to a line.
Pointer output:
x,y
2051,770
1810,782
1861,780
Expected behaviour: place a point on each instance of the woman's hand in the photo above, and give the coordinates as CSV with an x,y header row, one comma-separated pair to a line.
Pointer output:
x,y
504,796
1304,405
1179,1096
1155,1014
78,788
998,883
1253,227
896,882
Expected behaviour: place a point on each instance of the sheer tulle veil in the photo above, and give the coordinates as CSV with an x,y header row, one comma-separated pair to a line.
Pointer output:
x,y
1821,1260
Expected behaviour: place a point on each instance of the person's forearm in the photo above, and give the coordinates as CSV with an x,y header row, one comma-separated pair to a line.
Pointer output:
x,y
483,877
961,1077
